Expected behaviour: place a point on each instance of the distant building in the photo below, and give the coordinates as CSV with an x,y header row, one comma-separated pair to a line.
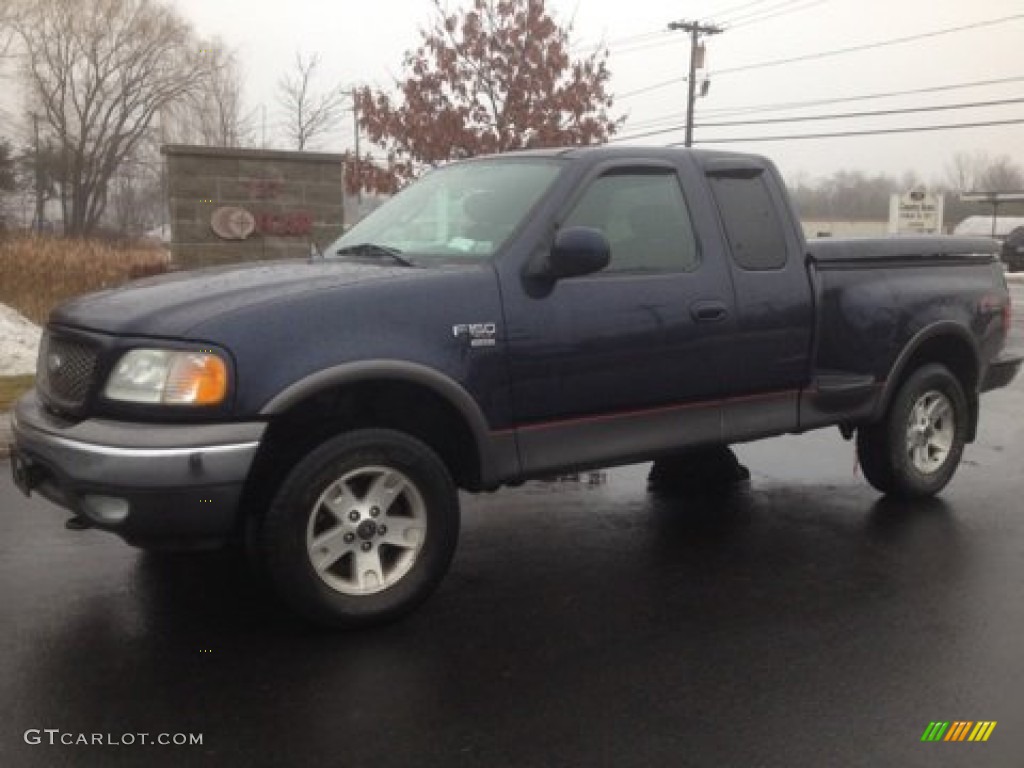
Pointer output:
x,y
988,226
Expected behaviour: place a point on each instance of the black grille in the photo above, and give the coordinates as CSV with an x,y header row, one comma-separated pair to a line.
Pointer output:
x,y
65,370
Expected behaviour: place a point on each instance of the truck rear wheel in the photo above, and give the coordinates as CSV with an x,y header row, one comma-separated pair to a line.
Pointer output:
x,y
362,529
914,451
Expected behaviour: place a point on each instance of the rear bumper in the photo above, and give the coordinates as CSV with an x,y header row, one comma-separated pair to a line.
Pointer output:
x,y
152,484
1001,372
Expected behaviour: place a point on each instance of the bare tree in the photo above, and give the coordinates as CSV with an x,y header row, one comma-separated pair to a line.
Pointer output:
x,y
223,122
848,195
136,197
978,172
98,72
962,172
309,113
1001,175
8,179
213,114
9,10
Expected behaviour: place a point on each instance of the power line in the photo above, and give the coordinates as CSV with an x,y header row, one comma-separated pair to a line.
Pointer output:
x,y
869,113
785,106
737,20
644,41
648,40
744,6
847,134
835,116
869,46
674,117
757,19
627,40
639,48
649,88
825,54
657,122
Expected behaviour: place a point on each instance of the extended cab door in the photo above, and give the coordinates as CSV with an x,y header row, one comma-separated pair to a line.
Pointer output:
x,y
625,361
768,354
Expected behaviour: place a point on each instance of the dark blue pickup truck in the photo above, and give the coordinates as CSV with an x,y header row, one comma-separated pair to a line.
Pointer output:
x,y
503,318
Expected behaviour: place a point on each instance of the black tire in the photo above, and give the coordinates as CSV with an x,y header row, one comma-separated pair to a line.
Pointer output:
x,y
347,467
883,448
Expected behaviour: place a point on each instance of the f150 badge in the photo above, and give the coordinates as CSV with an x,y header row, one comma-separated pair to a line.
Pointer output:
x,y
479,334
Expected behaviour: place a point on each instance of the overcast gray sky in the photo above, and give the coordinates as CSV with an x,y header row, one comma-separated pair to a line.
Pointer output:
x,y
363,42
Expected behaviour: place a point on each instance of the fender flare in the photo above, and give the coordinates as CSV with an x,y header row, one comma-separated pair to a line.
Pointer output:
x,y
899,367
491,463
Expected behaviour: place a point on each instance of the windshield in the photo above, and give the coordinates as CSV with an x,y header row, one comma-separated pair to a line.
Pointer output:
x,y
464,211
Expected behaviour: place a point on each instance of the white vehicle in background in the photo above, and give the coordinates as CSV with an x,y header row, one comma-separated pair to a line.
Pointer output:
x,y
1008,230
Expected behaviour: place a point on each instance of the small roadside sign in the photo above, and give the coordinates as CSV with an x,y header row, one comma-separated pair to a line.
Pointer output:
x,y
915,213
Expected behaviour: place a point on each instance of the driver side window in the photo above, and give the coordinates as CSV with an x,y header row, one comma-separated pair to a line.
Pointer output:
x,y
644,216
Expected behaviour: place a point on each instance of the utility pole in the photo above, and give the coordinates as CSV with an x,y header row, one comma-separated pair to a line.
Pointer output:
x,y
355,128
39,178
696,29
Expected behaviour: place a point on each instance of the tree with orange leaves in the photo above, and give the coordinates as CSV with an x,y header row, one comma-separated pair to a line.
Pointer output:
x,y
496,77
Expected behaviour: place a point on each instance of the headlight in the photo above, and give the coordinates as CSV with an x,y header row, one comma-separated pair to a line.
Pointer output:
x,y
170,377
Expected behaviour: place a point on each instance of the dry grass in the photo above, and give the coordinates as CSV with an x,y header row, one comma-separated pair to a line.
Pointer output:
x,y
13,387
37,273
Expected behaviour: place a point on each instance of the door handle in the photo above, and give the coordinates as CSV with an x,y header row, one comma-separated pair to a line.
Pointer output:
x,y
709,311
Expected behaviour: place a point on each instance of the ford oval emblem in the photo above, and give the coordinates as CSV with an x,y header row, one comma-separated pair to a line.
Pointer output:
x,y
232,223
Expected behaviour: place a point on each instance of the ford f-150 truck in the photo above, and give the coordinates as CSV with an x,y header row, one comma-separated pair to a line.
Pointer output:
x,y
501,319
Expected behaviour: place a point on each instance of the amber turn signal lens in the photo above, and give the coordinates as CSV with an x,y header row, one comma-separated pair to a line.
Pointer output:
x,y
196,379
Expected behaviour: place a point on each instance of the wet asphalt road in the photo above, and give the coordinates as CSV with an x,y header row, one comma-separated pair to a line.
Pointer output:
x,y
803,622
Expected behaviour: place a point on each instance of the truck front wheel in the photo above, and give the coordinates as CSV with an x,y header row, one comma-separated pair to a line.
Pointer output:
x,y
362,529
914,451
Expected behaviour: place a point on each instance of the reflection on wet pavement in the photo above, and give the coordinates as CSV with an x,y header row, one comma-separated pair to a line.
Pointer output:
x,y
798,620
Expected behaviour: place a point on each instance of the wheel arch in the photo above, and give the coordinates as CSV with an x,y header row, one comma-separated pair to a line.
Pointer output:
x,y
363,370
387,382
948,344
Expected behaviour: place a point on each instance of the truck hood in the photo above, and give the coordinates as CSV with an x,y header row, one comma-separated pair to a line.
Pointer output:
x,y
170,305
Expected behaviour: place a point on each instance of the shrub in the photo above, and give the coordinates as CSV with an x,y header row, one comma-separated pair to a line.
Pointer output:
x,y
39,272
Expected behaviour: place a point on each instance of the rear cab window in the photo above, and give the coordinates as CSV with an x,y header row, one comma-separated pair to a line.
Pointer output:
x,y
752,221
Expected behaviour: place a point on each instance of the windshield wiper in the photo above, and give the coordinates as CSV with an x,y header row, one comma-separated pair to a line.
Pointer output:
x,y
376,250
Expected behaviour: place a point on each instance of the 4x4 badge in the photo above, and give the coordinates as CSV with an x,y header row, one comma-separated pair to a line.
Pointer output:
x,y
479,334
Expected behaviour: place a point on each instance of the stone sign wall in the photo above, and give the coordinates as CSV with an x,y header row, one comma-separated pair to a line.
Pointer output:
x,y
232,205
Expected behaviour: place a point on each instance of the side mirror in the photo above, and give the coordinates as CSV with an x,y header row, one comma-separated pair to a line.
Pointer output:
x,y
578,251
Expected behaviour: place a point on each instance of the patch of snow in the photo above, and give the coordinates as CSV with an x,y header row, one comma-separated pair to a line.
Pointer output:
x,y
161,234
19,343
